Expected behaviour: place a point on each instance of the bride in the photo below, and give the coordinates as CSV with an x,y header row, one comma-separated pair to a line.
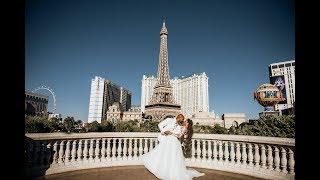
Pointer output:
x,y
166,161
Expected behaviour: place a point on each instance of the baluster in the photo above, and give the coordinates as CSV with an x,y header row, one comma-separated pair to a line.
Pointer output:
x,y
91,150
238,154
291,161
55,153
150,144
140,147
85,150
244,154
263,157
220,151
103,149
97,151
130,149
209,151
198,150
114,149
145,150
67,158
226,151
125,157
215,152
256,156
61,152
135,149
79,151
204,151
284,160
119,149
193,151
73,151
276,159
108,149
250,155
232,153
270,158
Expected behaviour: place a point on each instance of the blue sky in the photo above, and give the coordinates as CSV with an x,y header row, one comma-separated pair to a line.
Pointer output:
x,y
233,41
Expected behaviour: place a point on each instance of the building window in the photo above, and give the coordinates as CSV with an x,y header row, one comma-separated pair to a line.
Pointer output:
x,y
288,65
281,66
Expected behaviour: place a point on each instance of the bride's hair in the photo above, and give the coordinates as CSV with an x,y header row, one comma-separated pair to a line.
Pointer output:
x,y
187,140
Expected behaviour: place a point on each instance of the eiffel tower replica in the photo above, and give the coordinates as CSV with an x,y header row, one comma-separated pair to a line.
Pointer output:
x,y
162,103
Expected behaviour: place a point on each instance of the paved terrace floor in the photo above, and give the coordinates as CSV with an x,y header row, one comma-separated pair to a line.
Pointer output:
x,y
137,173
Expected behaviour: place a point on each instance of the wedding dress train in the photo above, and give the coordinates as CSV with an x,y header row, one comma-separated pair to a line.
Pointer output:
x,y
166,160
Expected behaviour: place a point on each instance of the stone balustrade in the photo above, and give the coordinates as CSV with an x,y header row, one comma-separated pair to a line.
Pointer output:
x,y
264,157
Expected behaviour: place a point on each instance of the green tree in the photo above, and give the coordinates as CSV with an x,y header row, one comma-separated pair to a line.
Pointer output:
x,y
69,124
94,127
149,126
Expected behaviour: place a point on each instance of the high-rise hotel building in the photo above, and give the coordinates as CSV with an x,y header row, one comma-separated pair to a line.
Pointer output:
x,y
102,95
286,70
190,92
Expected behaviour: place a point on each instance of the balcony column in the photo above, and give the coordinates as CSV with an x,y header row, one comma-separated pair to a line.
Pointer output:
x,y
145,150
91,151
209,151
256,156
263,157
291,162
204,151
108,150
226,152
73,151
215,152
125,157
193,150
97,151
61,152
250,155
244,154
276,159
135,149
119,157
103,149
67,153
55,153
150,144
232,153
130,150
284,160
114,149
198,150
140,147
85,150
79,151
220,151
238,154
270,158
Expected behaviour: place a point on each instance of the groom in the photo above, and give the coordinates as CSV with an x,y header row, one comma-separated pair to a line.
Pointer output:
x,y
167,125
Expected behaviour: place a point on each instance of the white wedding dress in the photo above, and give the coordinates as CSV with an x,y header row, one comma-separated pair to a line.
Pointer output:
x,y
166,160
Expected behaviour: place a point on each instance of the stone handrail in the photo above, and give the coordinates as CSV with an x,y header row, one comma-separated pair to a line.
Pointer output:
x,y
264,157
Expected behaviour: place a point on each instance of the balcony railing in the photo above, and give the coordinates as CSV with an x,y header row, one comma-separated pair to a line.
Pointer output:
x,y
263,157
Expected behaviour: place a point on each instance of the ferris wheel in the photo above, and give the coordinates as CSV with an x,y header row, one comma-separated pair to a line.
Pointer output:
x,y
43,87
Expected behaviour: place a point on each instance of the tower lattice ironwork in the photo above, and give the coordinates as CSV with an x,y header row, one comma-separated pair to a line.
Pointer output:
x,y
162,103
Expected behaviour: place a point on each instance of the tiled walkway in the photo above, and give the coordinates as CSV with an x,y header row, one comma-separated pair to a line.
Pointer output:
x,y
137,173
